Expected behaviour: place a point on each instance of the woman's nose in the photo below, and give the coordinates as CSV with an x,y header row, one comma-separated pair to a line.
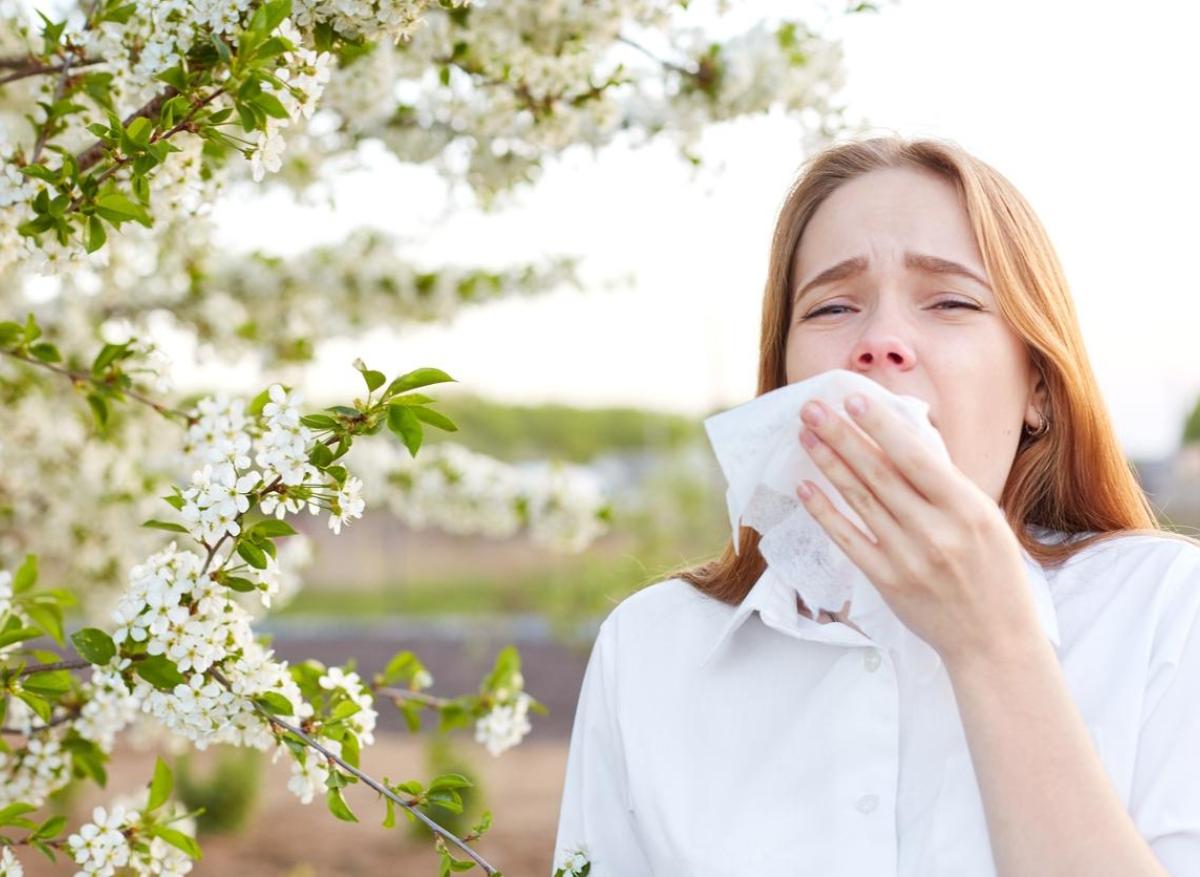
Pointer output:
x,y
879,349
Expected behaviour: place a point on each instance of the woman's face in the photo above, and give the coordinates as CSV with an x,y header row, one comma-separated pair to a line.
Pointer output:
x,y
916,325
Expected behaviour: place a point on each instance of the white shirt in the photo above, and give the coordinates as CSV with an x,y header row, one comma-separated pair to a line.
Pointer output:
x,y
713,740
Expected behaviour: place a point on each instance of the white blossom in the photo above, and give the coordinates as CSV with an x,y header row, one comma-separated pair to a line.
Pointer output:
x,y
9,866
505,726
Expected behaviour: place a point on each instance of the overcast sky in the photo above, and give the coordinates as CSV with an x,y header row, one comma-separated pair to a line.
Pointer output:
x,y
1089,109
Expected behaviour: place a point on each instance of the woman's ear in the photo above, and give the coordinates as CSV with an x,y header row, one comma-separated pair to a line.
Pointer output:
x,y
1039,399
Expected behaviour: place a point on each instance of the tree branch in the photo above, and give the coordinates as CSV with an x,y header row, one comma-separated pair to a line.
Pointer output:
x,y
367,780
26,69
83,377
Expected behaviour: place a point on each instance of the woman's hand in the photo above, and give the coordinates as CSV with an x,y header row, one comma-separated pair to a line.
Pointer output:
x,y
946,560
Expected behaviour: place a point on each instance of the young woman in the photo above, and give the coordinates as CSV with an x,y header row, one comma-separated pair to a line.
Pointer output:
x,y
722,730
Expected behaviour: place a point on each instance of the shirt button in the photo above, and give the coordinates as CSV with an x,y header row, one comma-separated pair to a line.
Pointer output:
x,y
871,660
867,803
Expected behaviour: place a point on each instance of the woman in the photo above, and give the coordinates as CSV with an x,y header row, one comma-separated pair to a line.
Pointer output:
x,y
722,730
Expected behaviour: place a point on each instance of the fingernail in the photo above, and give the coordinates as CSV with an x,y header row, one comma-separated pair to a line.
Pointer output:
x,y
856,404
812,414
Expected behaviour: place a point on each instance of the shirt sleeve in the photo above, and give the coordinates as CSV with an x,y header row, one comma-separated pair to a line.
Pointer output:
x,y
596,818
1165,799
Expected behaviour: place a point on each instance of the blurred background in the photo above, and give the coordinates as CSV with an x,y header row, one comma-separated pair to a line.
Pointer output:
x,y
600,374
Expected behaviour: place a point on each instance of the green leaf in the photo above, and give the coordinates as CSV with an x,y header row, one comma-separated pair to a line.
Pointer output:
x,y
318,421
403,423
48,683
338,806
11,815
237,583
165,525
117,208
48,617
96,236
344,710
421,377
50,827
160,671
87,759
99,409
160,785
10,332
39,705
175,77
139,130
389,820
16,633
270,105
252,554
274,703
447,800
277,11
108,354
178,839
433,418
320,455
272,528
26,575
450,781
94,645
46,352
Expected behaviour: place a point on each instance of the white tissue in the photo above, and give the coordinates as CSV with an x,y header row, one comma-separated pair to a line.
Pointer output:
x,y
758,447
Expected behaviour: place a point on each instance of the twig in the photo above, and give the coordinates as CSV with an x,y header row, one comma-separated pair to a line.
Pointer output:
x,y
668,64
68,716
397,694
39,69
84,377
367,780
57,665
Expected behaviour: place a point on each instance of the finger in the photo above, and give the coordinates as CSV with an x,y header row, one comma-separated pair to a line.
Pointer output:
x,y
881,522
857,546
869,461
931,474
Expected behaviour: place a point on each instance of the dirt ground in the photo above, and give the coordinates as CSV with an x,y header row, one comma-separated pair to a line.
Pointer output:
x,y
523,788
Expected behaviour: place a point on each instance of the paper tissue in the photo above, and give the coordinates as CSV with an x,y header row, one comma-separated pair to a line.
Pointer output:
x,y
758,447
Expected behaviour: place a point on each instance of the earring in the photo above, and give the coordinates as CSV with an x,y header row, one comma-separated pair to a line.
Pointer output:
x,y
1042,428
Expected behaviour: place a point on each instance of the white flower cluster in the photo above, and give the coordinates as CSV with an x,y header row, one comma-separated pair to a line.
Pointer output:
x,y
37,769
109,706
571,862
461,491
310,771
220,441
508,721
6,595
283,448
305,73
150,365
9,865
372,19
191,619
117,839
362,723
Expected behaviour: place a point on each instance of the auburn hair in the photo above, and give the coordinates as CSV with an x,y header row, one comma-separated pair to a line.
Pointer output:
x,y
1074,477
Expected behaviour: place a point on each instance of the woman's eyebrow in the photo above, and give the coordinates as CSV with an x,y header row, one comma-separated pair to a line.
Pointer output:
x,y
856,265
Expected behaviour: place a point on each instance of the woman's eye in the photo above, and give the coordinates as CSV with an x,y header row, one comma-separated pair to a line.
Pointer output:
x,y
951,302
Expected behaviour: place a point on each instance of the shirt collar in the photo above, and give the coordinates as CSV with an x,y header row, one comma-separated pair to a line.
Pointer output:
x,y
776,601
